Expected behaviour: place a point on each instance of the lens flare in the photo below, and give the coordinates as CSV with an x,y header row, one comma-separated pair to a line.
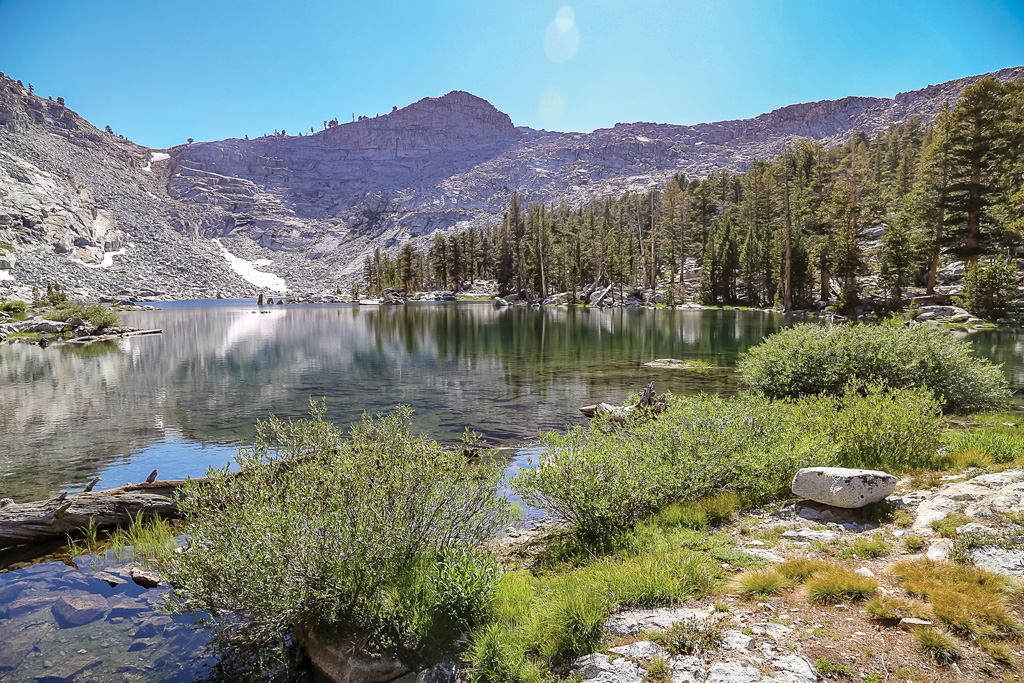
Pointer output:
x,y
562,38
552,105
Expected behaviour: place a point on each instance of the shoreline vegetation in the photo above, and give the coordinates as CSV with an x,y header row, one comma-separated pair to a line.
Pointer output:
x,y
387,542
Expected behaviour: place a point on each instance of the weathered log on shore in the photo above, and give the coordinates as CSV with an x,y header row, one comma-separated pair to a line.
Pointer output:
x,y
648,403
22,523
92,339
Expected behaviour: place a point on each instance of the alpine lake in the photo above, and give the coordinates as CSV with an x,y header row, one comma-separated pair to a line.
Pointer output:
x,y
186,399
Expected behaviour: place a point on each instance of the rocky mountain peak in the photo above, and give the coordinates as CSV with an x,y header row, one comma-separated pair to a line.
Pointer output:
x,y
84,207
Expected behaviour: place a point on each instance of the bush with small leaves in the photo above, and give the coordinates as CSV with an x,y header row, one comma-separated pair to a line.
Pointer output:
x,y
339,531
813,359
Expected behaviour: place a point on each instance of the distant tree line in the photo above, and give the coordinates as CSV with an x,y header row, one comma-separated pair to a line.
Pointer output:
x,y
786,232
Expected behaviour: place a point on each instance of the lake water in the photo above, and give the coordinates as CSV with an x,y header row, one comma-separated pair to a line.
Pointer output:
x,y
182,401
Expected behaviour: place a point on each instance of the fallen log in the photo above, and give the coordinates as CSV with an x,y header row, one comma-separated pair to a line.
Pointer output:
x,y
648,403
22,523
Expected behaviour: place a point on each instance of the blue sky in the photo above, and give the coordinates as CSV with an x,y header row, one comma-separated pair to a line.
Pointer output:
x,y
161,72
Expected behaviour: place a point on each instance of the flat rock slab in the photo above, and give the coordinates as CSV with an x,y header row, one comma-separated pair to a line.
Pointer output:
x,y
843,487
599,668
808,535
980,496
794,669
732,672
634,621
643,649
1001,560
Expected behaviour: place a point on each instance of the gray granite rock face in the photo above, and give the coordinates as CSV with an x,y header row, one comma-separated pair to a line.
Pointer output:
x,y
316,204
843,487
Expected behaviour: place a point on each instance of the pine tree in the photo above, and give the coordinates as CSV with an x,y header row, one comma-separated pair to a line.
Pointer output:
x,y
976,145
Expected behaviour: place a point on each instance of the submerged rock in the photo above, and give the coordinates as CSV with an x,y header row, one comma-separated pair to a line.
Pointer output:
x,y
76,610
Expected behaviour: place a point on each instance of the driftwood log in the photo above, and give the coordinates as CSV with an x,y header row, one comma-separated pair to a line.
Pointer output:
x,y
649,404
22,523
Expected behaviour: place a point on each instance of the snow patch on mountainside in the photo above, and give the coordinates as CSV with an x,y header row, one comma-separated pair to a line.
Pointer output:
x,y
248,270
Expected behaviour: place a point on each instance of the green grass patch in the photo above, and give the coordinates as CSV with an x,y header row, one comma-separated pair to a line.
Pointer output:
x,y
540,619
867,548
983,446
947,526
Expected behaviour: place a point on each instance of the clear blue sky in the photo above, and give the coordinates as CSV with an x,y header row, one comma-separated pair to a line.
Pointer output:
x,y
162,71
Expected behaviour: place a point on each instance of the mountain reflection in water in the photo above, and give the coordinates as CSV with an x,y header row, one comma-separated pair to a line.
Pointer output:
x,y
182,401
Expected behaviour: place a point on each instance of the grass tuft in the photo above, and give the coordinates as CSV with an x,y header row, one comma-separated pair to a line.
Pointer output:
x,y
799,569
940,646
868,548
758,583
970,601
885,608
832,585
691,636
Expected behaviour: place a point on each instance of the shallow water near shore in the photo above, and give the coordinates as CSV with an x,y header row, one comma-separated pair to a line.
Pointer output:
x,y
184,400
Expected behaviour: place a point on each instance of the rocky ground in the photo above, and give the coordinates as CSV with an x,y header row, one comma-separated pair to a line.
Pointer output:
x,y
789,638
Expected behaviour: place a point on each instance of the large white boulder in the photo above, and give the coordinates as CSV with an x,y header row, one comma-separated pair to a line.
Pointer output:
x,y
843,487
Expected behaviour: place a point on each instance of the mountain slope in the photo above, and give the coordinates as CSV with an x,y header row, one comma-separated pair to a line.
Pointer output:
x,y
74,199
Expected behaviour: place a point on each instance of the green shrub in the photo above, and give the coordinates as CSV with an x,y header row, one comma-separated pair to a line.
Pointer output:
x,y
604,478
463,584
692,465
913,543
1001,444
101,317
813,359
989,289
14,306
877,428
337,531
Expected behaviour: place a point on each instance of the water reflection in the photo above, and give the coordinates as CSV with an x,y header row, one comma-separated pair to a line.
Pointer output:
x,y
181,400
